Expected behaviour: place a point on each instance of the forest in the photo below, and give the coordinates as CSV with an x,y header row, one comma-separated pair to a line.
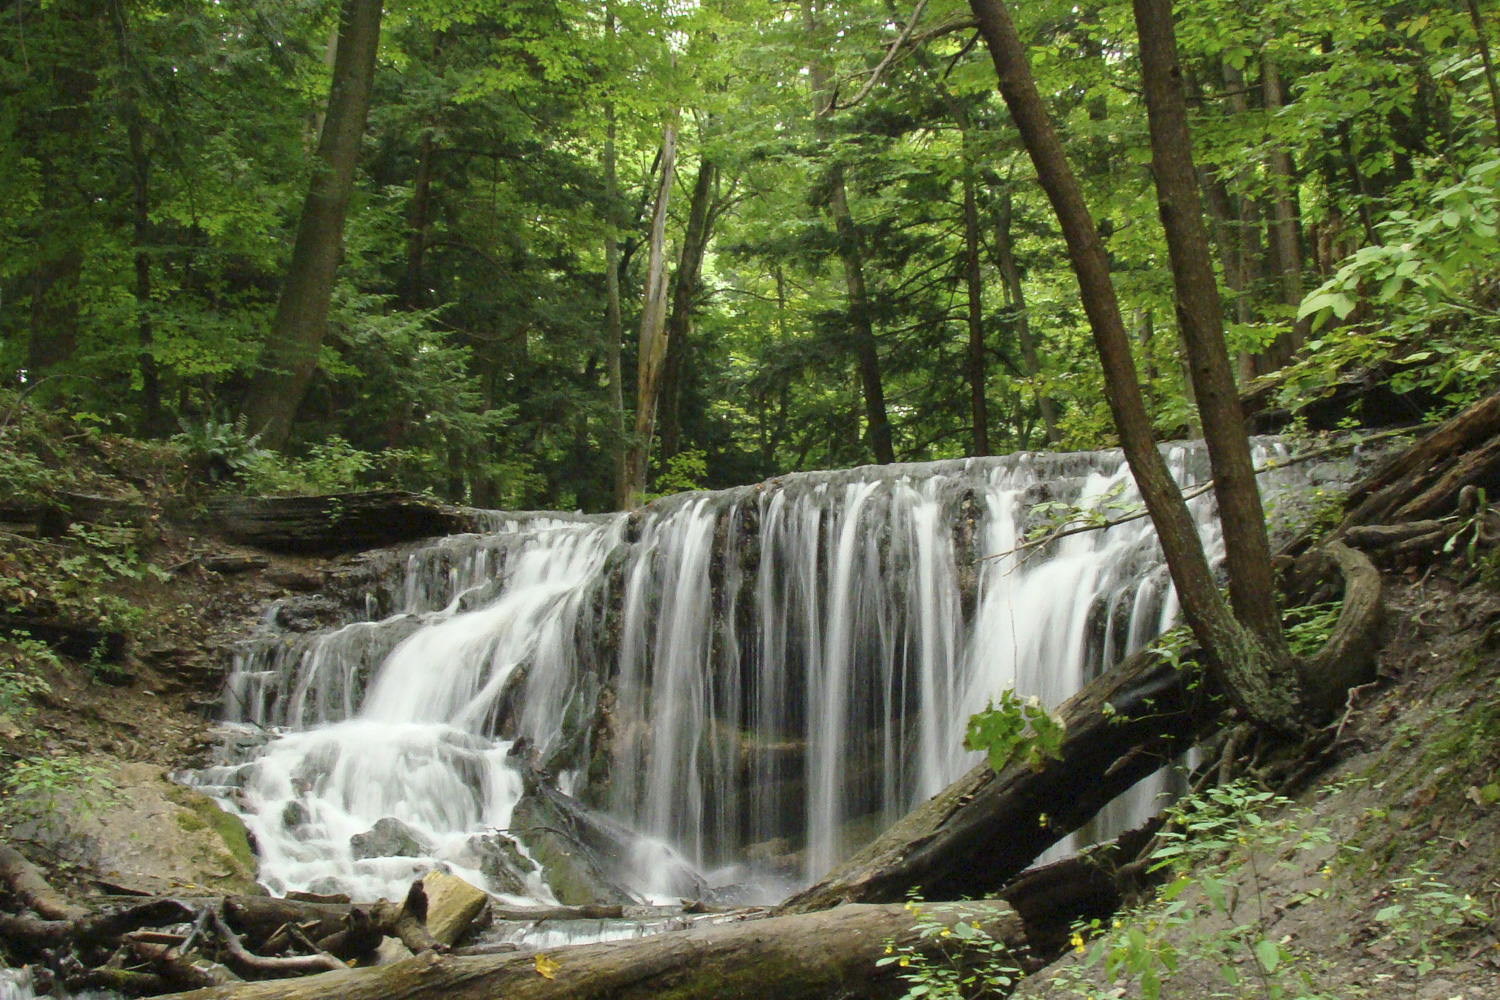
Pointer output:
x,y
759,498
814,221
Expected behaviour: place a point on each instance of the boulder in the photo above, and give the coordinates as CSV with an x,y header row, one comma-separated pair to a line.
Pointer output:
x,y
389,838
501,861
568,866
144,833
453,905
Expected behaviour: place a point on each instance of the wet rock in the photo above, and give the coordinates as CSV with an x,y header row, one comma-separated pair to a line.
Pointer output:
x,y
294,814
501,861
146,834
389,838
568,867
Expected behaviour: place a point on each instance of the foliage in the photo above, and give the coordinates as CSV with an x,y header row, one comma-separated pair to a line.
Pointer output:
x,y
221,446
951,959
1201,915
1428,281
1423,918
1014,729
41,789
1309,627
24,662
685,471
151,211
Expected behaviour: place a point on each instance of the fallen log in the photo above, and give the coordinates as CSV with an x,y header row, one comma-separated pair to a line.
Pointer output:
x,y
334,925
1374,537
241,959
26,883
815,955
1424,481
979,833
339,522
95,928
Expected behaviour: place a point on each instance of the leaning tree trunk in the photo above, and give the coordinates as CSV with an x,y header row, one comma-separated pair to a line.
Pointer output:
x,y
1226,642
652,354
1270,672
982,831
806,957
290,354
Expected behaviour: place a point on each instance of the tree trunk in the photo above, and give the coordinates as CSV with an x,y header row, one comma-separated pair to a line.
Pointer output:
x,y
1010,273
1489,66
412,295
652,354
1284,222
1271,674
54,311
140,191
1247,217
861,322
1226,642
614,328
978,410
685,287
806,957
290,354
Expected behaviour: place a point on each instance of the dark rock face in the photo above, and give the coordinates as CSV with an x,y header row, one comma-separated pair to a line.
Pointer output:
x,y
390,838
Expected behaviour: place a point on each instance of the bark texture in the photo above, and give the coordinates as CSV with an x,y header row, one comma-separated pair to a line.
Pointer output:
x,y
651,356
802,957
290,354
1267,686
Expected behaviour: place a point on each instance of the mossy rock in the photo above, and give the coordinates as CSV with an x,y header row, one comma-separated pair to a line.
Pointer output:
x,y
144,832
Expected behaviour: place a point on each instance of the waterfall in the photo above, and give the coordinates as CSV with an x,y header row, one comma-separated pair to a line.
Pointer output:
x,y
753,683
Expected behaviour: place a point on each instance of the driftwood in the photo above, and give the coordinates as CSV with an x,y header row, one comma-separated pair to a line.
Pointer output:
x,y
95,928
340,522
345,930
816,955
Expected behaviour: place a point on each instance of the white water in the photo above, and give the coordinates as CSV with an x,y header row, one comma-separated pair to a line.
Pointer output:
x,y
791,668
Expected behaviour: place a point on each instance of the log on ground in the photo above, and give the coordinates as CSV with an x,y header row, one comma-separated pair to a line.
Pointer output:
x,y
816,955
341,522
1424,481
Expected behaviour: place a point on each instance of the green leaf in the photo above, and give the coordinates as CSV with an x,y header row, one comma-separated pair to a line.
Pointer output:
x,y
1268,953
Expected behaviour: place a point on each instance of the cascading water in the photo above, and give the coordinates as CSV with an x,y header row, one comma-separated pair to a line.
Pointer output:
x,y
754,682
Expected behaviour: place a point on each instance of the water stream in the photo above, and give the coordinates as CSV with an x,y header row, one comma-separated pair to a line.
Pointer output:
x,y
753,682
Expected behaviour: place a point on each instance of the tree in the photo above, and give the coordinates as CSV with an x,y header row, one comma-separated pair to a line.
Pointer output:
x,y
291,350
652,357
1235,655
